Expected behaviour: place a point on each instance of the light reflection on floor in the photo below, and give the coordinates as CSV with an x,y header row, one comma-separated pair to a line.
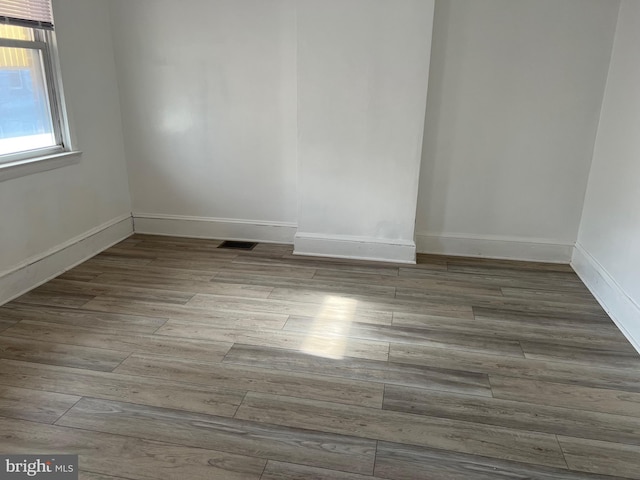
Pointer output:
x,y
329,332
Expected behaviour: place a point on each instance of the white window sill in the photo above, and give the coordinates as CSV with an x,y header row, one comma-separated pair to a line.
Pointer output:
x,y
29,166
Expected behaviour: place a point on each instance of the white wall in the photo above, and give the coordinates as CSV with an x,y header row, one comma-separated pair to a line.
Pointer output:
x,y
514,96
44,212
607,255
208,92
362,82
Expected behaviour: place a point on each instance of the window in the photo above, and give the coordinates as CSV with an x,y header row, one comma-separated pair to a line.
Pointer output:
x,y
32,119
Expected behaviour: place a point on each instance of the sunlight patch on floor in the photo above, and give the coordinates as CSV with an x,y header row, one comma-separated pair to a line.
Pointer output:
x,y
328,335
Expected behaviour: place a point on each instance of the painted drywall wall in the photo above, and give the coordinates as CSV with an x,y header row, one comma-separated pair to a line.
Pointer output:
x,y
608,248
362,85
43,211
208,92
515,91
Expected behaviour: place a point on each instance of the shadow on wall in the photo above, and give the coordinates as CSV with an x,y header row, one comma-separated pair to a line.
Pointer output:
x,y
432,125
446,74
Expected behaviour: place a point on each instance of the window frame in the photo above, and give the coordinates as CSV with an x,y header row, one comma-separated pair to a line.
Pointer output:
x,y
45,42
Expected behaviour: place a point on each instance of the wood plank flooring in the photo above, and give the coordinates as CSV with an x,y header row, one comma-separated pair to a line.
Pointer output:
x,y
168,358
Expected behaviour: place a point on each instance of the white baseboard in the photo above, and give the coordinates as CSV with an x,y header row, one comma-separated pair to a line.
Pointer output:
x,y
622,309
356,248
494,247
39,269
215,228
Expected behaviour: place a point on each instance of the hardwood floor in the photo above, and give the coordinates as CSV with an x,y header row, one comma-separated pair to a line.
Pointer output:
x,y
168,358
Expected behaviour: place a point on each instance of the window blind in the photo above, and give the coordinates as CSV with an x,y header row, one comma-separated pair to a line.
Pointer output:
x,y
27,13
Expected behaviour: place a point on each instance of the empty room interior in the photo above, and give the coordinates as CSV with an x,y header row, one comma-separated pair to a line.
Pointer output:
x,y
320,239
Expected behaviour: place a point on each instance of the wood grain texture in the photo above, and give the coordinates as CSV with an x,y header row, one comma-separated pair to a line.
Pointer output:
x,y
570,314
317,342
145,391
207,315
81,318
327,286
510,265
445,434
6,323
601,457
569,283
597,356
614,401
560,372
34,405
360,369
407,462
128,457
172,284
578,297
452,308
397,334
96,476
131,289
231,435
318,387
125,344
532,306
512,414
524,327
283,307
341,264
90,270
566,311
45,351
290,471
54,299
171,358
